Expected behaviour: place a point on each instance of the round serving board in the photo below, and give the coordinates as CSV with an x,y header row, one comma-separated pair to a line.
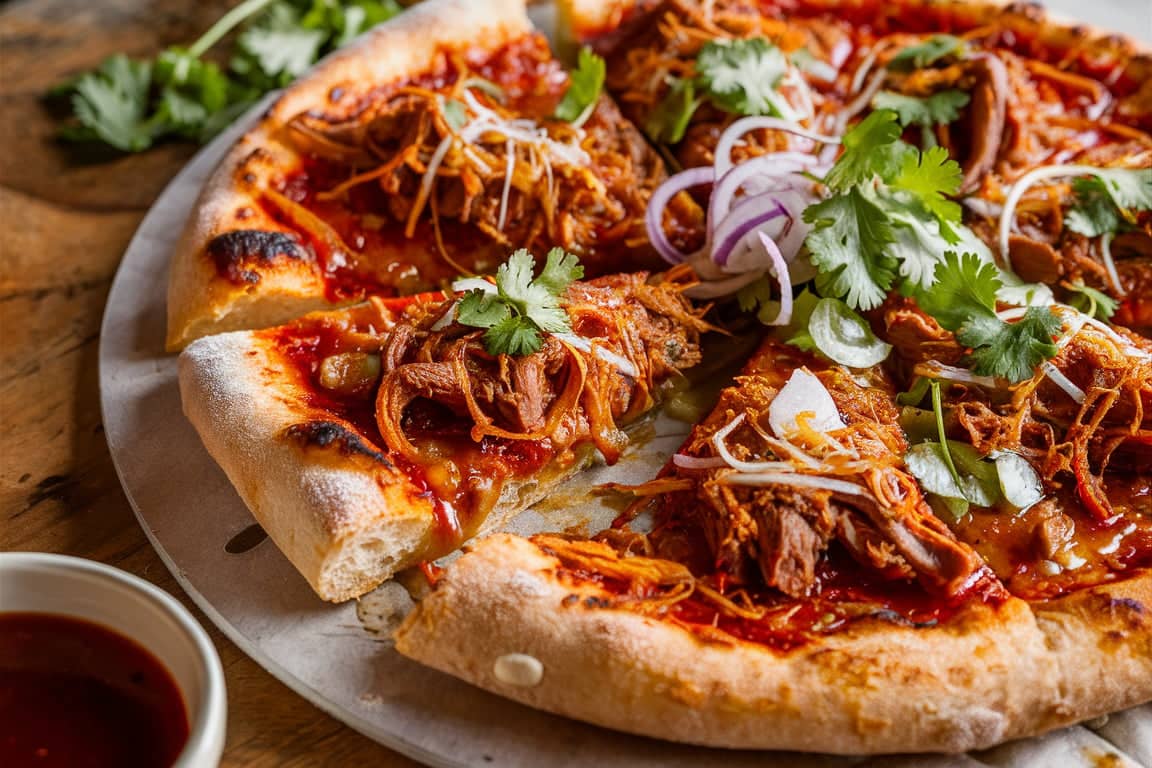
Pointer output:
x,y
206,537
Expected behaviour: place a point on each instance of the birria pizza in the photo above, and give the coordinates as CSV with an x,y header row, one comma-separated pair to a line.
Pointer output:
x,y
918,519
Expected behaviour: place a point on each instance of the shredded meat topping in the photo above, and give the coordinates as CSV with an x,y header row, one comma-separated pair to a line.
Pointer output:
x,y
777,532
520,180
563,393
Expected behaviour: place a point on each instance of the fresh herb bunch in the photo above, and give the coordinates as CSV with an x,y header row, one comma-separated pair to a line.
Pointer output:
x,y
888,216
521,307
131,104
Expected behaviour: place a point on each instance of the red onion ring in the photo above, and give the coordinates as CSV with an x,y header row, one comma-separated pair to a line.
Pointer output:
x,y
654,216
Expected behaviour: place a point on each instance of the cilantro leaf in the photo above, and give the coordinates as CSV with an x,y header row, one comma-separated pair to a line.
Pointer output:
x,y
871,148
1013,350
928,52
940,107
112,104
965,288
480,309
514,335
560,270
1093,214
584,87
522,307
1105,200
848,244
280,45
741,76
930,176
1091,301
1129,188
669,120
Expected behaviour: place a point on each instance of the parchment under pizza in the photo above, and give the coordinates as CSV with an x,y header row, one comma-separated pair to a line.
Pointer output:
x,y
918,519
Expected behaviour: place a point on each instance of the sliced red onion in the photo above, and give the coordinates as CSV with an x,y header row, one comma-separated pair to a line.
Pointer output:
x,y
736,131
770,165
654,216
745,217
784,316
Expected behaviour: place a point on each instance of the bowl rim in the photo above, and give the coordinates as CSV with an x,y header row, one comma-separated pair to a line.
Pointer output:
x,y
206,729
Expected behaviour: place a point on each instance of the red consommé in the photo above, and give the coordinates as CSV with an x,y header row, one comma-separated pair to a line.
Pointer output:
x,y
75,694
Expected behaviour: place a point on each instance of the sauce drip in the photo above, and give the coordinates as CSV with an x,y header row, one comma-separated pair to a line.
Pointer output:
x,y
74,694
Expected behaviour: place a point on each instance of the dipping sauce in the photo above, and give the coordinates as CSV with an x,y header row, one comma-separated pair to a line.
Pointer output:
x,y
76,694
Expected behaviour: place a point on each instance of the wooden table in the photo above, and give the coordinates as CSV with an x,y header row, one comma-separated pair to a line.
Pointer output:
x,y
65,220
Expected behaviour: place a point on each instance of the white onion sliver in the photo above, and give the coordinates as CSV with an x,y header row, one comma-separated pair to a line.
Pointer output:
x,y
473,284
447,318
803,392
1110,265
695,462
962,375
745,466
784,316
622,364
795,479
1062,381
433,166
509,165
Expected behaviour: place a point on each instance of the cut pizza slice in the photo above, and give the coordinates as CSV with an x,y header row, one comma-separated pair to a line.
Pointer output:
x,y
370,439
1050,125
795,588
427,149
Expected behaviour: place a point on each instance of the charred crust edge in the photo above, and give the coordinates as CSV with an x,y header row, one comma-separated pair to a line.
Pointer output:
x,y
324,434
238,253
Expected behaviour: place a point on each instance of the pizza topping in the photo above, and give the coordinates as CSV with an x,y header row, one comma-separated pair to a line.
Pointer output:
x,y
828,470
445,397
521,306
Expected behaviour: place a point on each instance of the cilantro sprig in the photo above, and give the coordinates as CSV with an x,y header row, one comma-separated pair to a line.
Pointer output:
x,y
889,214
522,306
131,104
963,300
584,86
1105,202
928,52
741,76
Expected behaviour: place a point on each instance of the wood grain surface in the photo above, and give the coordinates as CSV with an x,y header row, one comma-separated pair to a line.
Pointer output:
x,y
65,220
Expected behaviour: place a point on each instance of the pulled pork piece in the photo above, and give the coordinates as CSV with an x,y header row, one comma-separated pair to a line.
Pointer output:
x,y
628,338
772,506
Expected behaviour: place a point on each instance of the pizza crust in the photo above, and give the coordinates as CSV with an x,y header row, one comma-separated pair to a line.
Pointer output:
x,y
344,515
200,302
987,675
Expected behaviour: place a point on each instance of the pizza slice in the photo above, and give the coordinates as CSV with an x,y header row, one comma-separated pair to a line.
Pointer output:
x,y
796,589
374,438
429,148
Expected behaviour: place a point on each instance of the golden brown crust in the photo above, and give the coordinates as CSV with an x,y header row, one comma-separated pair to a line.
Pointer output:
x,y
199,301
986,675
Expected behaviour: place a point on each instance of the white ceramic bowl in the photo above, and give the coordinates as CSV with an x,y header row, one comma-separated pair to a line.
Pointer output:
x,y
71,586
